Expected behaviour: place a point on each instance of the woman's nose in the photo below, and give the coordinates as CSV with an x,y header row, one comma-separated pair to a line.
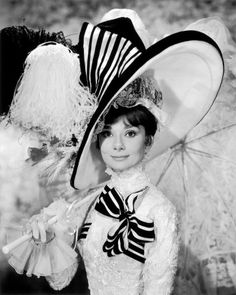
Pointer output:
x,y
118,143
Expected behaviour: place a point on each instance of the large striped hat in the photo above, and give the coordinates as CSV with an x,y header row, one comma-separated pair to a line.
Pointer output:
x,y
187,65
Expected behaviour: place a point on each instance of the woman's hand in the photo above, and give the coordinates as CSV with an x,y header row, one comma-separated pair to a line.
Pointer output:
x,y
41,231
58,219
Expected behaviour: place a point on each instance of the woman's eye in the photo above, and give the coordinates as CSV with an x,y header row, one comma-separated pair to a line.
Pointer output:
x,y
105,134
131,133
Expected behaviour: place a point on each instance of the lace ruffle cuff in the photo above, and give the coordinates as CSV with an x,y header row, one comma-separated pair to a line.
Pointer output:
x,y
42,259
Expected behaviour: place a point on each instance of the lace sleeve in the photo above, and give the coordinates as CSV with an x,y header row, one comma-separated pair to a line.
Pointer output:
x,y
61,280
161,258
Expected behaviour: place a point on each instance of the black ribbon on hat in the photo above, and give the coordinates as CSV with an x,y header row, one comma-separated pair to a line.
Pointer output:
x,y
131,233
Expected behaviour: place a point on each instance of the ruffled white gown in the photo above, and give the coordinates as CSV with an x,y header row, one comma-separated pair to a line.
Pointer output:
x,y
120,274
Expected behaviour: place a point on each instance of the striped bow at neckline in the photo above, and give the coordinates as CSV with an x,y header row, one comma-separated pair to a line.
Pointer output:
x,y
131,233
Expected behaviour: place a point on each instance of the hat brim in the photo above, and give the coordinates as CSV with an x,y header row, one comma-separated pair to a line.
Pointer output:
x,y
188,67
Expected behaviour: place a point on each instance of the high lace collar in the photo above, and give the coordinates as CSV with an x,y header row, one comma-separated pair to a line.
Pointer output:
x,y
130,180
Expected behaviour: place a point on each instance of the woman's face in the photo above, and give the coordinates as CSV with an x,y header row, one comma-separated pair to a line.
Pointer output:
x,y
122,145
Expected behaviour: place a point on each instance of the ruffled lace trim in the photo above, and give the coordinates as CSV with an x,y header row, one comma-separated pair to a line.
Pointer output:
x,y
129,180
60,280
45,259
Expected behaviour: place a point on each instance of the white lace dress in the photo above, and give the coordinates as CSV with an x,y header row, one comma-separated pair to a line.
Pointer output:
x,y
122,274
128,242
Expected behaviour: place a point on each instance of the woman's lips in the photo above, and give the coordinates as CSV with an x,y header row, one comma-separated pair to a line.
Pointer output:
x,y
119,158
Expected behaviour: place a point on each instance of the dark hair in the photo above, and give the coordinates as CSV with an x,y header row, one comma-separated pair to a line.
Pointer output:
x,y
138,115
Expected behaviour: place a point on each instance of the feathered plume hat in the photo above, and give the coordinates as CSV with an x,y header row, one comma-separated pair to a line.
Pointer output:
x,y
66,92
187,67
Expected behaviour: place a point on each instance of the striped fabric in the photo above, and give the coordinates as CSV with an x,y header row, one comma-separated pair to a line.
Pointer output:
x,y
104,56
131,233
84,230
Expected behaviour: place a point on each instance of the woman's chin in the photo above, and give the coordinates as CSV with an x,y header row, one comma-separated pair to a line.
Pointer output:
x,y
120,167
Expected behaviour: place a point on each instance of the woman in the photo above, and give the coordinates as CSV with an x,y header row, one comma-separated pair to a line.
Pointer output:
x,y
139,255
128,238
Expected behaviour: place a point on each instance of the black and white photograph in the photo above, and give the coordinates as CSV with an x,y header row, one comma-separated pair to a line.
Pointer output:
x,y
118,147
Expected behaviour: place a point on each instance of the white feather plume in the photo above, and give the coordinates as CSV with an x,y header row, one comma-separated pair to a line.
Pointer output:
x,y
50,97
